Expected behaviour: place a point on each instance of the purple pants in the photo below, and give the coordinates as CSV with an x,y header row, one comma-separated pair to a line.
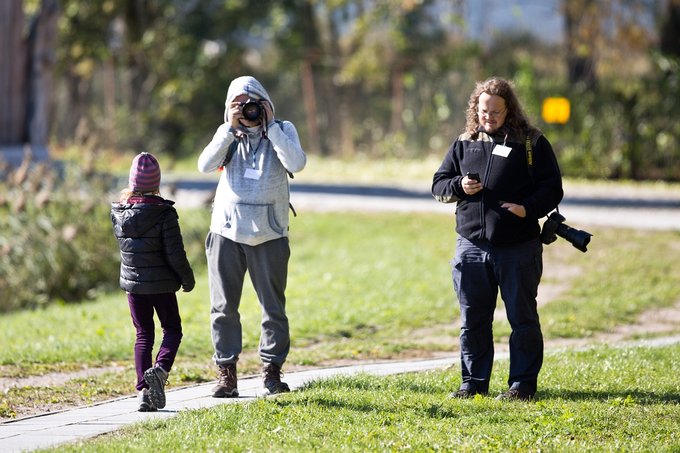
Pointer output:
x,y
141,309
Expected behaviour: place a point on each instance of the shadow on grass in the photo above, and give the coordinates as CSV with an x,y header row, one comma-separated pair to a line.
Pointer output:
x,y
331,403
620,398
400,384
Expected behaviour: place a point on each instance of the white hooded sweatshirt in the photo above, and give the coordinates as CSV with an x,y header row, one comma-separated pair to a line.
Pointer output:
x,y
252,197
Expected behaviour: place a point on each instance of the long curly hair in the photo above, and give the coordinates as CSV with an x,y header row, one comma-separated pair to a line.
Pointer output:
x,y
515,119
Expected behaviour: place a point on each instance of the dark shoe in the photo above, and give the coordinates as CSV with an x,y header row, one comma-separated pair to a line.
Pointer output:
x,y
465,393
515,395
271,374
144,401
156,377
227,383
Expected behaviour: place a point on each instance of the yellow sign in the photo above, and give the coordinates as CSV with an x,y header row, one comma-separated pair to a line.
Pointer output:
x,y
556,110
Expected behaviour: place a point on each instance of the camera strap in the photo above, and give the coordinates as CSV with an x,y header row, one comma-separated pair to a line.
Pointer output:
x,y
230,153
530,157
234,145
530,163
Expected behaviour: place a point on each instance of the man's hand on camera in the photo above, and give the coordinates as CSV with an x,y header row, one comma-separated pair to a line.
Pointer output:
x,y
268,111
234,114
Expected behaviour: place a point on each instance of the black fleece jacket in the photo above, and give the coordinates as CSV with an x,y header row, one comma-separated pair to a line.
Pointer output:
x,y
505,179
152,255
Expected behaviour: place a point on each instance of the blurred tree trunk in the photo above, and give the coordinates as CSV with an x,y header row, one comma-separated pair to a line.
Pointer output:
x,y
398,98
632,148
41,59
670,30
139,16
338,97
26,84
581,20
311,111
309,93
13,76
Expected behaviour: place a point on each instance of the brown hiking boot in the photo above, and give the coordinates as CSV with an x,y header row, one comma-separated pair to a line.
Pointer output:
x,y
226,382
271,375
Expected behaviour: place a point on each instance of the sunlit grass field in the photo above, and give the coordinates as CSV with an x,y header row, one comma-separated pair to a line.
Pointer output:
x,y
358,285
361,287
592,400
373,287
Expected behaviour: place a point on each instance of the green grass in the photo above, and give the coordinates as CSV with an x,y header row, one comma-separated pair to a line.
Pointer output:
x,y
624,273
361,286
377,286
592,400
347,280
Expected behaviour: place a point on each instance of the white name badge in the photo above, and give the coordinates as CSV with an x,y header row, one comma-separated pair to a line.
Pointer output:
x,y
251,173
502,150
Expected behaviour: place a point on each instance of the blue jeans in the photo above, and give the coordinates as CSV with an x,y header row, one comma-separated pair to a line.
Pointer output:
x,y
480,270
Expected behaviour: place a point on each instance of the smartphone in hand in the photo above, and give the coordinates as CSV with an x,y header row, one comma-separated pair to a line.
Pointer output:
x,y
474,176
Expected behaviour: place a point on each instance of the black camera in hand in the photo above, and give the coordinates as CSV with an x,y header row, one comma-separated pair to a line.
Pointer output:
x,y
251,110
554,226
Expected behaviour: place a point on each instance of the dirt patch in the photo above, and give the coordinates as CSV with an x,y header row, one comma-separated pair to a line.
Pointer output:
x,y
54,379
650,324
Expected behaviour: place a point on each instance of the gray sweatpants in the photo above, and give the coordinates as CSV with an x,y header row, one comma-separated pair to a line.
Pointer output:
x,y
267,265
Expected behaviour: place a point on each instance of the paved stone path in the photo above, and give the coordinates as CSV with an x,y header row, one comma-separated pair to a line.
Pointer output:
x,y
49,430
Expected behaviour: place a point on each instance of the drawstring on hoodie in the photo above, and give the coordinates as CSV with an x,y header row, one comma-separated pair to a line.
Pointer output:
x,y
262,138
240,135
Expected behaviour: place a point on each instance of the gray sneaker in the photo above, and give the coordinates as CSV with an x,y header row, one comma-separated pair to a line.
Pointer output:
x,y
156,377
227,383
271,376
145,404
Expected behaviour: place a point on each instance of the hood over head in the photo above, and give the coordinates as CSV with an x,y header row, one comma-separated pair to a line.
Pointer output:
x,y
245,85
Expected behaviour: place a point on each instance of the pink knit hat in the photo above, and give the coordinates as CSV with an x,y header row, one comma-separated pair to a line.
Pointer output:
x,y
145,173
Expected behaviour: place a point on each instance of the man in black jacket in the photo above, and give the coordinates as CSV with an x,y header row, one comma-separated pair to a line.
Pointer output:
x,y
503,174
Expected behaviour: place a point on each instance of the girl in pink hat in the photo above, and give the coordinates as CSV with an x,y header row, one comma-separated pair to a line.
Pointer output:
x,y
153,268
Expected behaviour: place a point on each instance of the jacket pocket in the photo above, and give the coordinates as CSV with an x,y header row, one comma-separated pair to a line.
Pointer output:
x,y
253,220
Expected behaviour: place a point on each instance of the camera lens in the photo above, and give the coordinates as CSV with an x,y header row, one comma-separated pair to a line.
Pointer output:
x,y
251,110
578,238
554,227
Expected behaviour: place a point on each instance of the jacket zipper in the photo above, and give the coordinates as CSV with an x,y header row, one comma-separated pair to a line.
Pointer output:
x,y
482,218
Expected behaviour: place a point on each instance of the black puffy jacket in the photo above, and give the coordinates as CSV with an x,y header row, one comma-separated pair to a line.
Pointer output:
x,y
152,255
506,178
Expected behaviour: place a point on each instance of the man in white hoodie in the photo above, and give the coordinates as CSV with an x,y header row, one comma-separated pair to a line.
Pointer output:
x,y
249,229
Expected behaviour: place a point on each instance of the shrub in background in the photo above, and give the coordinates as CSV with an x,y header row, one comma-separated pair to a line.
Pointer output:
x,y
56,242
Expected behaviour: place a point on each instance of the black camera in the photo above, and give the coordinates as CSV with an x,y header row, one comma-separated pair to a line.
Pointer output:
x,y
251,110
554,226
